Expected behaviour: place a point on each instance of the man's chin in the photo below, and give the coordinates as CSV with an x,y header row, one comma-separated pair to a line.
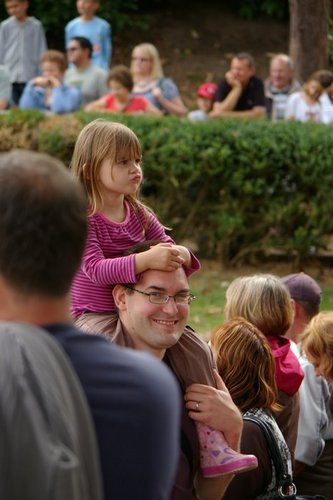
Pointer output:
x,y
170,339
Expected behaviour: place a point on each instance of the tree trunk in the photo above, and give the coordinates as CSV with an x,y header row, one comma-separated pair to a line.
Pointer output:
x,y
308,42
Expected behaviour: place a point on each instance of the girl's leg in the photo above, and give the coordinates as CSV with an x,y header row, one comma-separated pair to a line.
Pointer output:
x,y
192,361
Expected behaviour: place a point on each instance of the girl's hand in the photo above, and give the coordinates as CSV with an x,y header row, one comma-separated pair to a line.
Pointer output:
x,y
162,257
185,253
157,93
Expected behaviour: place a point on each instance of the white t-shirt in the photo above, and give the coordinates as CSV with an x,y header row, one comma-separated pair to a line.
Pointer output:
x,y
327,108
300,111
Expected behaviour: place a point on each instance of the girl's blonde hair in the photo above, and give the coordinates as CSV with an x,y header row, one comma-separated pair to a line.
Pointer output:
x,y
317,340
245,362
263,300
97,141
151,51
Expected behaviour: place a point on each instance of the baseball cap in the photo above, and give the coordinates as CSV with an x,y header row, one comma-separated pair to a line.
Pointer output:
x,y
302,287
207,90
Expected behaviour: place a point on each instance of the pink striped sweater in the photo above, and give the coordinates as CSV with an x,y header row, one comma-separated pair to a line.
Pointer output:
x,y
103,265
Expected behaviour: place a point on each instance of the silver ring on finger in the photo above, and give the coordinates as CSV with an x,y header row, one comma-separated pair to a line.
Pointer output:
x,y
196,406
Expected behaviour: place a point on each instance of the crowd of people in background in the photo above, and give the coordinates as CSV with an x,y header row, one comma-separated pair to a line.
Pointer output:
x,y
88,45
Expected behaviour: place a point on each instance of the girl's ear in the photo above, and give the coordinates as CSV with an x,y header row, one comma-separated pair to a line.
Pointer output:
x,y
85,171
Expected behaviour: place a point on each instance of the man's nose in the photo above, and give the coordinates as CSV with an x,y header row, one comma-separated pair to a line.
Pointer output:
x,y
170,306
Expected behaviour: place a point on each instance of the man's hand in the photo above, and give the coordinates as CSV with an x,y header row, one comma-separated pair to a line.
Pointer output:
x,y
215,407
232,81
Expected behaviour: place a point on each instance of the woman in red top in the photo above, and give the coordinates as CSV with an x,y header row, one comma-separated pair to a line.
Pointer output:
x,y
120,99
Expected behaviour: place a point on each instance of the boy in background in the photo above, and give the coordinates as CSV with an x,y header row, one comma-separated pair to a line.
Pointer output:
x,y
48,91
96,29
205,98
22,42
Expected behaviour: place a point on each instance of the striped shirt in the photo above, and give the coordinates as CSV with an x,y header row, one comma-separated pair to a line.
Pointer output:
x,y
103,264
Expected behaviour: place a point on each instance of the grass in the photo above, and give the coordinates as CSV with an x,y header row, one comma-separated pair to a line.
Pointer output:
x,y
209,286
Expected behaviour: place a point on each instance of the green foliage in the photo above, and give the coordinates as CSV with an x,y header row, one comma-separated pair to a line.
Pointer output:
x,y
251,9
238,189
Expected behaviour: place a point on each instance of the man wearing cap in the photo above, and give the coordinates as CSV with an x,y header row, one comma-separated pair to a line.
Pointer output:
x,y
205,97
314,447
240,94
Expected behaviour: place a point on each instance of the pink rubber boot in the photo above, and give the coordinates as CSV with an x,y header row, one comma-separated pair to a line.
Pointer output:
x,y
216,456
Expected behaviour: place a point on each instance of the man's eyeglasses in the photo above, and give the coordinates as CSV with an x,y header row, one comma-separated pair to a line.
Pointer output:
x,y
141,59
72,49
184,298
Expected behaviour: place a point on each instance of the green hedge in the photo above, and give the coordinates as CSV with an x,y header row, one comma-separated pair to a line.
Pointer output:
x,y
237,189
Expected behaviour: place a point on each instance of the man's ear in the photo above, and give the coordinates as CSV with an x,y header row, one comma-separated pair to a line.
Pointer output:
x,y
119,297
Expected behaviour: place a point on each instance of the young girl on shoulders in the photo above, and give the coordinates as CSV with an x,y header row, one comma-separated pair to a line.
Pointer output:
x,y
107,161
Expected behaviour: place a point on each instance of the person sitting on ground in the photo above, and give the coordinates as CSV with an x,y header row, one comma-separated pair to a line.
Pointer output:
x,y
121,99
246,364
279,85
241,93
313,473
264,301
205,97
134,400
152,317
90,79
48,92
5,88
304,106
150,82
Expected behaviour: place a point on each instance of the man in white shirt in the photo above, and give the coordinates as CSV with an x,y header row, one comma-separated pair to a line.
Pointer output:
x,y
313,472
82,73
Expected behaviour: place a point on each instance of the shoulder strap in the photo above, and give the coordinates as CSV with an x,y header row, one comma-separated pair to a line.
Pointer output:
x,y
284,480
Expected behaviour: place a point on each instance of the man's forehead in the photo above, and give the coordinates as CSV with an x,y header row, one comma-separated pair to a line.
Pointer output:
x,y
279,63
164,279
240,62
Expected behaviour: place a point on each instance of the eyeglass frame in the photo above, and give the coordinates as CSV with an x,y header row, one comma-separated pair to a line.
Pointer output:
x,y
190,297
